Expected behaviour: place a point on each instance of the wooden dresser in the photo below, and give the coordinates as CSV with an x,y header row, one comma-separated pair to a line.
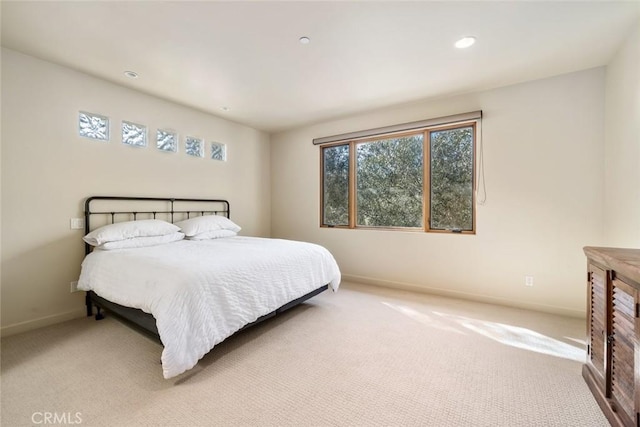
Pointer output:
x,y
612,370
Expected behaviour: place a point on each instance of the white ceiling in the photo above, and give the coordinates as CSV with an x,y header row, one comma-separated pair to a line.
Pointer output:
x,y
362,56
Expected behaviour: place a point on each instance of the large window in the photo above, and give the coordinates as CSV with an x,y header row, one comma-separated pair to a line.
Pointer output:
x,y
420,180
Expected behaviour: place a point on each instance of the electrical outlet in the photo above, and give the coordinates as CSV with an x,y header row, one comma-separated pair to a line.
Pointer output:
x,y
528,280
74,286
77,223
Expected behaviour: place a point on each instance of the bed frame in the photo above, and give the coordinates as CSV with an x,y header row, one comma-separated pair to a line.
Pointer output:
x,y
111,209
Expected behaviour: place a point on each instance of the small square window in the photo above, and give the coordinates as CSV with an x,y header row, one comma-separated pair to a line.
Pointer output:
x,y
194,146
218,151
167,140
134,134
93,126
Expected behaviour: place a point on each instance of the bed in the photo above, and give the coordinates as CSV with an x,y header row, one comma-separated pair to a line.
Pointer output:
x,y
192,291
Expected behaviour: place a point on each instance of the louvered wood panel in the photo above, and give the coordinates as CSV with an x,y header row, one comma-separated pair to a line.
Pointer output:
x,y
597,327
614,274
622,359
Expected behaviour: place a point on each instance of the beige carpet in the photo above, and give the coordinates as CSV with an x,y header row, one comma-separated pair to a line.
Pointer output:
x,y
361,357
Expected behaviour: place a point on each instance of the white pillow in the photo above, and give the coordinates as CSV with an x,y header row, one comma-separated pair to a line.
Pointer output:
x,y
213,234
141,242
129,230
202,224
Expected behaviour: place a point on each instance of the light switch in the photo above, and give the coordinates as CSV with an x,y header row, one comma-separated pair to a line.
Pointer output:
x,y
77,223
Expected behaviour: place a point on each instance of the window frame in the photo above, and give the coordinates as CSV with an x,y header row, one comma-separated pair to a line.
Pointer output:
x,y
426,183
350,199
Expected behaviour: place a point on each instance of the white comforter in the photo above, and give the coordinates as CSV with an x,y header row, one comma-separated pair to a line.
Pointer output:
x,y
201,292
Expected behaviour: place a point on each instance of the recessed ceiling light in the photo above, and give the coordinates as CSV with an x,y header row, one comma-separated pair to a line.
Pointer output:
x,y
305,40
465,42
131,74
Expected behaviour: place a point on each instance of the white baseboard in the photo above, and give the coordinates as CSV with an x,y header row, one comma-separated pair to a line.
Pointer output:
x,y
30,325
464,295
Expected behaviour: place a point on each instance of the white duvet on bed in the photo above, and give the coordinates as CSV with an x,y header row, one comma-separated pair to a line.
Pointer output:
x,y
201,292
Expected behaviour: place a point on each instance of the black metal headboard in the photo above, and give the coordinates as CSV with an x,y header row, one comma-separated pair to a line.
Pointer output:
x,y
112,209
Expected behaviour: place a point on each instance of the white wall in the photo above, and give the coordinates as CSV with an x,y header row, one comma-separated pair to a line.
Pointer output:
x,y
47,171
548,186
543,149
622,146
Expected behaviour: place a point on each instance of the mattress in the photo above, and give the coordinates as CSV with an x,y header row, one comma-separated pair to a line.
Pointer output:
x,y
201,292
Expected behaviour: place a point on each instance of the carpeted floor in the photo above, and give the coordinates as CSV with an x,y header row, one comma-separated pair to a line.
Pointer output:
x,y
360,357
